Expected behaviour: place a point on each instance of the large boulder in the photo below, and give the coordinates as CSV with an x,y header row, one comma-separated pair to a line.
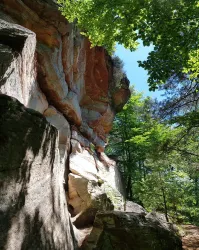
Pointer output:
x,y
131,206
17,65
33,206
130,231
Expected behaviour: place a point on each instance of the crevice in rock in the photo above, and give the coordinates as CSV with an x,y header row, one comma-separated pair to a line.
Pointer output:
x,y
7,39
71,210
67,165
85,219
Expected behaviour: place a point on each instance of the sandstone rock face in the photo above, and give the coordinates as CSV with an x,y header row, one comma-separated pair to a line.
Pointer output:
x,y
17,61
60,123
49,67
57,120
130,231
33,206
93,184
74,78
17,66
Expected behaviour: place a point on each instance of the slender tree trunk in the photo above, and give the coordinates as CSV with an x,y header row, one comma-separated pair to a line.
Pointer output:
x,y
128,160
164,200
196,191
129,189
165,205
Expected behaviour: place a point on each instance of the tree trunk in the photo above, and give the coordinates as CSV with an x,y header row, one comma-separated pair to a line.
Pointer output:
x,y
164,199
196,191
129,188
165,205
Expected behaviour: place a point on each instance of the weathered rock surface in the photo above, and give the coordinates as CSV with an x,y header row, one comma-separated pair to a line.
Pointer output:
x,y
93,185
48,66
76,79
17,51
134,207
17,66
33,206
121,94
60,123
130,231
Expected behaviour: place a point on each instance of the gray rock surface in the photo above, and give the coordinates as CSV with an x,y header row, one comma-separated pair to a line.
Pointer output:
x,y
130,231
131,206
17,66
33,206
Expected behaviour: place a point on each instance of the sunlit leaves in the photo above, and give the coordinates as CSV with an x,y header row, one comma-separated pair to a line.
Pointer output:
x,y
170,25
161,159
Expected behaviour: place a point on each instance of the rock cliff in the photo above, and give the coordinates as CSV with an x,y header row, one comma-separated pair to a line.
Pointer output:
x,y
57,104
33,206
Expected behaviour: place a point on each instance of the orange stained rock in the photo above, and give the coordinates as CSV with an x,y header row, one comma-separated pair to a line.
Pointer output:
x,y
71,74
31,20
96,73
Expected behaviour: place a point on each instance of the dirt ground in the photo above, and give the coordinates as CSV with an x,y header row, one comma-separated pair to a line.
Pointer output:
x,y
191,239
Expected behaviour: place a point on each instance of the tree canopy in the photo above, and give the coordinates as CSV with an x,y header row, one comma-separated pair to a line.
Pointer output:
x,y
170,25
158,160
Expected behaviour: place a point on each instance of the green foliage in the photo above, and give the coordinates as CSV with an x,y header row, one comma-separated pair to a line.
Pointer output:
x,y
104,22
170,25
159,161
168,184
174,32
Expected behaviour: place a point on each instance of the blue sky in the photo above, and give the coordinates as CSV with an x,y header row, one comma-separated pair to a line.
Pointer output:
x,y
137,76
